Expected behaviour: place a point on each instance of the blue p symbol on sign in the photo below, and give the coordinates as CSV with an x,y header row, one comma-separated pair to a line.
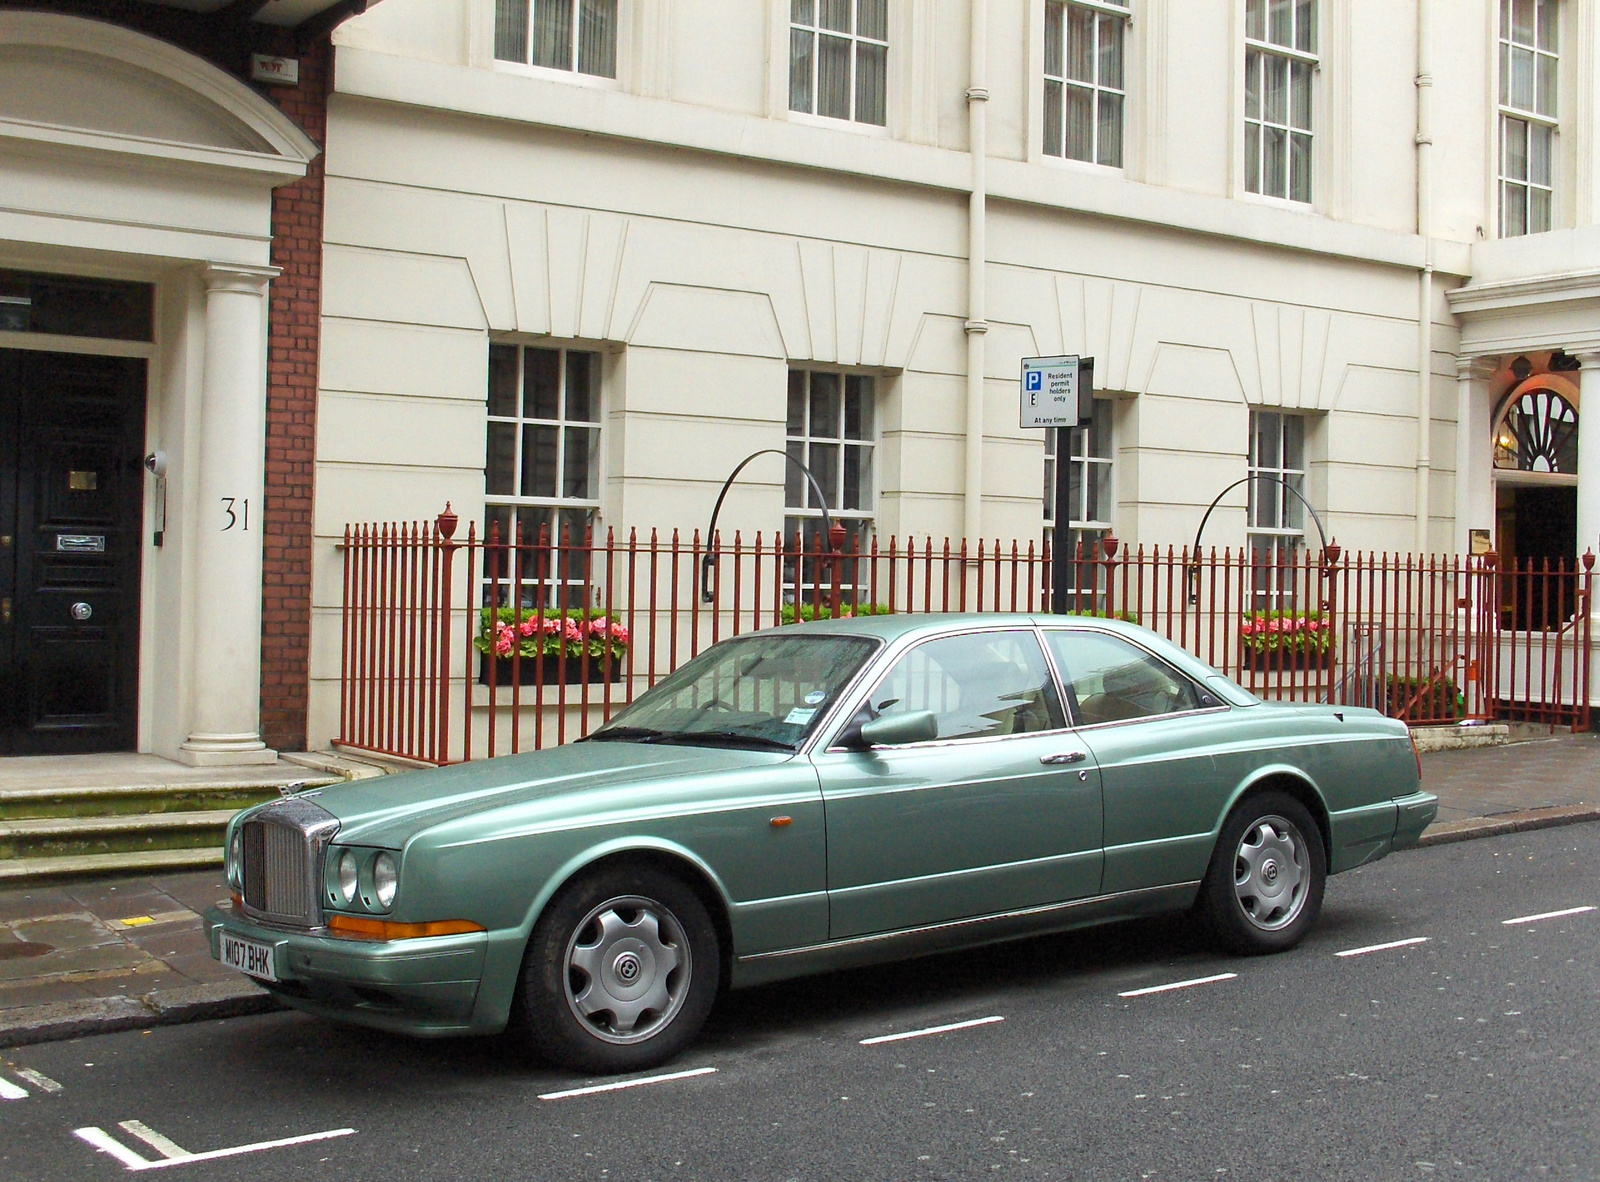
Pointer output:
x,y
1034,380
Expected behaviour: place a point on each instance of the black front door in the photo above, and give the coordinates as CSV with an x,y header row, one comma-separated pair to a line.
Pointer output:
x,y
71,489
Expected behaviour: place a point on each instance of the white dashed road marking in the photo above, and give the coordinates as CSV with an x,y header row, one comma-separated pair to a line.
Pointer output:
x,y
872,1042
43,1082
1178,985
628,1083
1383,947
1546,915
10,1091
174,1155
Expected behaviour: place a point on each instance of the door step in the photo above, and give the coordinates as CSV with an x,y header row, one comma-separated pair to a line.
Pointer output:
x,y
150,827
63,837
21,871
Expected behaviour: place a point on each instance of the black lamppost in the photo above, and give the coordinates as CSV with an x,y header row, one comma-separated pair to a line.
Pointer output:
x,y
1330,552
836,532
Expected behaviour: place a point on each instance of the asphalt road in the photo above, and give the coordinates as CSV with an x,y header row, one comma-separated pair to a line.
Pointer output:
x,y
1474,1054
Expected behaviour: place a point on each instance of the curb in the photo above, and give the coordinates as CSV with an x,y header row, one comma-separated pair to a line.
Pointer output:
x,y
1500,823
107,1015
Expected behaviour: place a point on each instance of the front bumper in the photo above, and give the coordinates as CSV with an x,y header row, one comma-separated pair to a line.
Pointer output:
x,y
1417,812
426,986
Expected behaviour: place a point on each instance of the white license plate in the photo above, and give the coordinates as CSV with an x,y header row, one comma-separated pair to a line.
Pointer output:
x,y
248,956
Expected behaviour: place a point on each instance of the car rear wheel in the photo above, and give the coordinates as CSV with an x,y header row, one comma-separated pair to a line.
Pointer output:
x,y
1263,890
621,972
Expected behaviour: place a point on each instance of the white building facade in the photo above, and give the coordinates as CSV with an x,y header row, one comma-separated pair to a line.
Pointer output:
x,y
584,256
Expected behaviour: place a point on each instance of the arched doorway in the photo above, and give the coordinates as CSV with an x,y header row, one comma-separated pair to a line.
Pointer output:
x,y
1536,489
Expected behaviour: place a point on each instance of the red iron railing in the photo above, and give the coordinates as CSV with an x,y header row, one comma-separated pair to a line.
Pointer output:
x,y
457,649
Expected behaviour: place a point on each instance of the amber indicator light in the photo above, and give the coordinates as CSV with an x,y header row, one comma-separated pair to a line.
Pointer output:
x,y
780,822
382,929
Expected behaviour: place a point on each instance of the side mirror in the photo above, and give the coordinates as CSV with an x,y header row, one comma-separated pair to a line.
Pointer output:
x,y
892,730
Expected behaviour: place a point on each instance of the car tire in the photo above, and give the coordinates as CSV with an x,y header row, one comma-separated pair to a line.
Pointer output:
x,y
621,972
1263,889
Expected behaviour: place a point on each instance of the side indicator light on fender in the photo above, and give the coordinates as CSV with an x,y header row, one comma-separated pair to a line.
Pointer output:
x,y
355,927
780,822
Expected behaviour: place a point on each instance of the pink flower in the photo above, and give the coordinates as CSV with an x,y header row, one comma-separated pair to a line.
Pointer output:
x,y
505,640
1247,629
619,633
529,625
551,626
598,626
573,632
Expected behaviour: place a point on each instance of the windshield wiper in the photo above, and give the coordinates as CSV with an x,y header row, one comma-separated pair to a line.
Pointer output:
x,y
725,739
625,734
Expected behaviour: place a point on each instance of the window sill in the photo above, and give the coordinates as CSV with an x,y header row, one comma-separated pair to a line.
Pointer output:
x,y
805,119
545,73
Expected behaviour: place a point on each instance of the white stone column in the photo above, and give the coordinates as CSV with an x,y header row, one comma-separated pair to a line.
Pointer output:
x,y
225,726
1474,450
1589,453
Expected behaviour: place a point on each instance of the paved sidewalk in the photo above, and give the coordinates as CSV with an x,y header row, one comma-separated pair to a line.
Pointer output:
x,y
128,953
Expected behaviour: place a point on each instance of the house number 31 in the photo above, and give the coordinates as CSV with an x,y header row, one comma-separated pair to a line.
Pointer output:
x,y
237,512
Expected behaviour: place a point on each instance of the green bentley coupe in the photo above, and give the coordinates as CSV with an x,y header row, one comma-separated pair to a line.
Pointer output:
x,y
804,798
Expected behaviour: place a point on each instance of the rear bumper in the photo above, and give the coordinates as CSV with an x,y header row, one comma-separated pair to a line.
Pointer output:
x,y
1416,813
426,986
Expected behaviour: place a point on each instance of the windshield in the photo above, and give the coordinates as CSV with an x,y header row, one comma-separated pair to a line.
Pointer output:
x,y
766,690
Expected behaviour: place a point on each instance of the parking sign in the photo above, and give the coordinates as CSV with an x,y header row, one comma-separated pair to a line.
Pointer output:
x,y
1050,392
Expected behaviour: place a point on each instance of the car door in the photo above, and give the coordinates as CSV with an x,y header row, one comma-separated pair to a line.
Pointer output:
x,y
1151,731
1001,811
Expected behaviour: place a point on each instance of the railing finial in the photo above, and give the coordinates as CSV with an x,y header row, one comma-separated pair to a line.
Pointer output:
x,y
447,522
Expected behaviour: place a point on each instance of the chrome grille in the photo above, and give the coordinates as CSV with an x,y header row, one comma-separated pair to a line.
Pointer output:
x,y
283,847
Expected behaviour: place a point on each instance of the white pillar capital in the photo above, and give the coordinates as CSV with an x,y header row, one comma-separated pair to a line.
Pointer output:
x,y
1587,360
238,278
1474,369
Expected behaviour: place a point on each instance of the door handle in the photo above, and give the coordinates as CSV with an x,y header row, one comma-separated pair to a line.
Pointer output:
x,y
1065,757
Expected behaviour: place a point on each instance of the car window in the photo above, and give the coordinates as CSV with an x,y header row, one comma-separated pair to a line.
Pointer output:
x,y
976,684
768,688
1110,680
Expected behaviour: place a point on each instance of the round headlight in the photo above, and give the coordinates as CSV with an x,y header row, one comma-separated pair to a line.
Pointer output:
x,y
236,859
385,879
347,876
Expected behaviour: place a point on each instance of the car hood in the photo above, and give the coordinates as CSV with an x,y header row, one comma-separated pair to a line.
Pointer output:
x,y
387,810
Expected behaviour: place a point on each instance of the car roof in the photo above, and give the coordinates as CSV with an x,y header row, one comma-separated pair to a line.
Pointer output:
x,y
893,627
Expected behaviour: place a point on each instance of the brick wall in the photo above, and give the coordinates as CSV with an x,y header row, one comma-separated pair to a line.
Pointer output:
x,y
294,319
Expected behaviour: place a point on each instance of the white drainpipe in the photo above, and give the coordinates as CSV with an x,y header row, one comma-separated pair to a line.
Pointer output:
x,y
977,253
1425,278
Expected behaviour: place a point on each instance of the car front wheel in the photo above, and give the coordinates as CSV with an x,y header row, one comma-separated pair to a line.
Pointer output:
x,y
621,972
1264,887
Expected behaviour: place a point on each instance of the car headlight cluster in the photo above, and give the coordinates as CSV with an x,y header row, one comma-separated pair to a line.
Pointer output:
x,y
236,860
366,880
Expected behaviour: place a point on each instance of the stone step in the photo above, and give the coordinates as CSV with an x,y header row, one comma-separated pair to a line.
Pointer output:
x,y
18,804
21,871
73,837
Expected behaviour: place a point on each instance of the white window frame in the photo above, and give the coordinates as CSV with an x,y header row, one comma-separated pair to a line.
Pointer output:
x,y
1260,54
564,510
571,73
796,589
1283,542
1525,122
1106,12
817,32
